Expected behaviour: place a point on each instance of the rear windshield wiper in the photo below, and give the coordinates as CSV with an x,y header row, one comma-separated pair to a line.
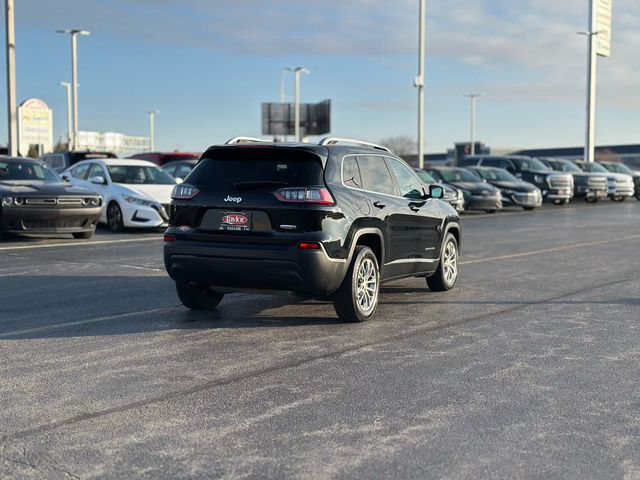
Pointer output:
x,y
259,184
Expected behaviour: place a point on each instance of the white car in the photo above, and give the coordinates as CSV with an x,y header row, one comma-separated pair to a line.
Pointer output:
x,y
136,193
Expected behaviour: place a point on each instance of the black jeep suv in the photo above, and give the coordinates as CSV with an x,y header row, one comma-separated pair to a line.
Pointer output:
x,y
330,221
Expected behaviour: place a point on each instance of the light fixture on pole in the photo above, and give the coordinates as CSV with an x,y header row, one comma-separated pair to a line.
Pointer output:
x,y
67,87
74,80
474,101
12,116
152,129
296,107
418,81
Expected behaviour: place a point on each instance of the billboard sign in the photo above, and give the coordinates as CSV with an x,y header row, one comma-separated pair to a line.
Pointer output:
x,y
118,143
278,118
604,11
35,127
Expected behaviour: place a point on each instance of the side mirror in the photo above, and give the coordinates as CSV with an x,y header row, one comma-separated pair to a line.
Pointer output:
x,y
66,177
179,180
97,180
436,191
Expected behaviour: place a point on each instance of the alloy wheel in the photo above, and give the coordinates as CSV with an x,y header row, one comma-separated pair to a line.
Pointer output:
x,y
450,264
367,286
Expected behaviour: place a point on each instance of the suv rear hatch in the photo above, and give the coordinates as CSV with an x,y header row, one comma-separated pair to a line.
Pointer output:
x,y
251,195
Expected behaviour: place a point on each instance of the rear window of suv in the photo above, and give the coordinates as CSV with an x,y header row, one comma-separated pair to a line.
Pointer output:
x,y
252,168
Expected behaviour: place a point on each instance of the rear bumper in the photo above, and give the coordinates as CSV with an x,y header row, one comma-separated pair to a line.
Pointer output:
x,y
49,220
254,267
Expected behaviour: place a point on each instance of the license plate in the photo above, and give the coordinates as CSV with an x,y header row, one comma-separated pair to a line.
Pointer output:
x,y
235,222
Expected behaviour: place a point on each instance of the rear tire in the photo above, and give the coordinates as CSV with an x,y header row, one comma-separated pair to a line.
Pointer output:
x,y
446,275
357,298
591,199
491,210
529,209
84,235
197,297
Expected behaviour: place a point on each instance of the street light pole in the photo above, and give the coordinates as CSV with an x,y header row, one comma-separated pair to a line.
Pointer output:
x,y
592,64
474,100
12,116
67,87
296,107
152,129
419,81
283,99
74,80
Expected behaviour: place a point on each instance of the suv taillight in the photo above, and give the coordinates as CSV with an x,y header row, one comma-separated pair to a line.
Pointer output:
x,y
318,195
184,192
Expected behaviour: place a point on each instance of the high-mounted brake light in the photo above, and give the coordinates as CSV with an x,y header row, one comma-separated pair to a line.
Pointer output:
x,y
309,246
317,195
184,192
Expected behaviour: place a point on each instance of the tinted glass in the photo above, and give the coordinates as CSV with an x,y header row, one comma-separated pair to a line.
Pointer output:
x,y
27,171
183,170
351,172
458,175
426,177
565,167
81,171
171,170
495,162
436,175
496,175
618,168
530,165
96,171
253,168
140,175
408,184
375,175
593,167
467,162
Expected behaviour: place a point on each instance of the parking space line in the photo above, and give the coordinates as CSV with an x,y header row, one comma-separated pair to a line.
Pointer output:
x,y
76,244
549,250
89,321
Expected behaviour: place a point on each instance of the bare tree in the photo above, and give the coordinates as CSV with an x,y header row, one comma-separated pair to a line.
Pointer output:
x,y
401,145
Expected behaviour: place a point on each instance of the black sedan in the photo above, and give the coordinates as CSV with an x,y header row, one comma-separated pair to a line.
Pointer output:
x,y
180,168
478,195
34,199
515,192
452,195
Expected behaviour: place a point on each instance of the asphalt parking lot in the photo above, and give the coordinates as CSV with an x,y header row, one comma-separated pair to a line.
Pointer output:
x,y
530,368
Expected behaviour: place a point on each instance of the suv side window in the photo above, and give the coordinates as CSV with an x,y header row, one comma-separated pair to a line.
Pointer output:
x,y
81,171
493,162
375,175
408,183
351,173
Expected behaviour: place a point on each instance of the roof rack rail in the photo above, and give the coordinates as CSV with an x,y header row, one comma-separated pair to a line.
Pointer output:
x,y
233,140
334,140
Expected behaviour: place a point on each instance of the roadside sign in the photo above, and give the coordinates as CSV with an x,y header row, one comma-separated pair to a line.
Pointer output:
x,y
35,127
278,118
604,20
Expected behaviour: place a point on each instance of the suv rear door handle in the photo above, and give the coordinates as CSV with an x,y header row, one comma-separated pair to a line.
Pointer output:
x,y
379,205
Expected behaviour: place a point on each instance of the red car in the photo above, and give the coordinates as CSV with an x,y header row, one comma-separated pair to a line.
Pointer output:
x,y
160,158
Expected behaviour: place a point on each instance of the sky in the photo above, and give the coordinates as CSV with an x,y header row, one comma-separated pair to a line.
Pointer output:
x,y
207,65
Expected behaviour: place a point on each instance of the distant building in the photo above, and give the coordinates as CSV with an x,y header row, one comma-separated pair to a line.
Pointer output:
x,y
120,144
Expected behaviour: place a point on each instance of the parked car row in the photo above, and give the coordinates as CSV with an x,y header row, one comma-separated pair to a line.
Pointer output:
x,y
63,192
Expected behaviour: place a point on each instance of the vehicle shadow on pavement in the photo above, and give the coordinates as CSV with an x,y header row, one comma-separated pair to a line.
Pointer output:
x,y
83,306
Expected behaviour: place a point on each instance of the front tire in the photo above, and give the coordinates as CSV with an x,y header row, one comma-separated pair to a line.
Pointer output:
x,y
357,298
490,210
196,297
84,235
529,209
446,275
114,217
